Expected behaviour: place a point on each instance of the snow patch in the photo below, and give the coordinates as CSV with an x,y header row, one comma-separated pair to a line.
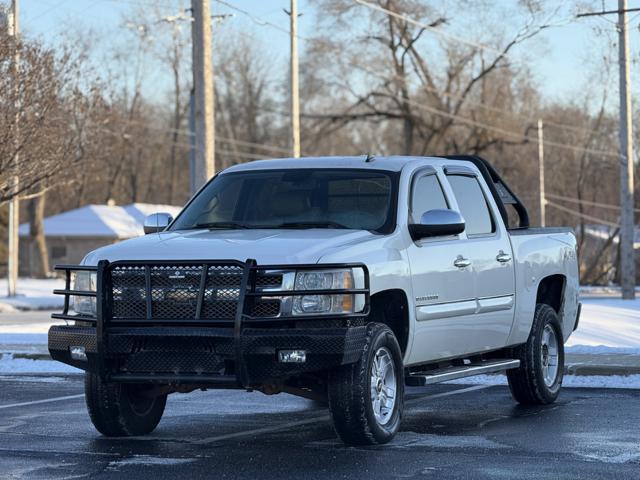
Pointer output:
x,y
145,460
39,338
569,381
606,448
8,364
411,439
35,378
32,294
601,350
608,322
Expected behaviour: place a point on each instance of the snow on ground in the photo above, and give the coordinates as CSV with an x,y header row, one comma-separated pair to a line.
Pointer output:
x,y
23,338
32,294
8,364
607,325
570,381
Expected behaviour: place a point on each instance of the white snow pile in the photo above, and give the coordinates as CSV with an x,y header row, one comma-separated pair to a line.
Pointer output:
x,y
32,294
570,381
607,326
9,364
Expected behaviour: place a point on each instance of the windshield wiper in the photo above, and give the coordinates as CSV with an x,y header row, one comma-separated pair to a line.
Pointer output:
x,y
221,225
319,224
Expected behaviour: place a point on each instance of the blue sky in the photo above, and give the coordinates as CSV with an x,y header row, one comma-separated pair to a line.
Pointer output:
x,y
558,59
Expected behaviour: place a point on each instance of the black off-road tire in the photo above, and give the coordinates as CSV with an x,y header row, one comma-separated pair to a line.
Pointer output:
x,y
121,409
350,397
527,382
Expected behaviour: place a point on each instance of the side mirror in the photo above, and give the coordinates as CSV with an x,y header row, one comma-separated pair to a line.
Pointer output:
x,y
157,222
437,223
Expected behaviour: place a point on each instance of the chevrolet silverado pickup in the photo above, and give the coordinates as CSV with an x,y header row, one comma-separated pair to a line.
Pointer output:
x,y
340,279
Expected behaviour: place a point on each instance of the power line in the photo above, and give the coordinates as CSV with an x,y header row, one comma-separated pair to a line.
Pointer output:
x,y
606,206
430,28
255,19
186,146
188,133
507,133
443,113
262,22
530,118
581,215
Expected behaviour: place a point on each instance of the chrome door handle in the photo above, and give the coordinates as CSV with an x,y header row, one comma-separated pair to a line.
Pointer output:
x,y
503,257
461,262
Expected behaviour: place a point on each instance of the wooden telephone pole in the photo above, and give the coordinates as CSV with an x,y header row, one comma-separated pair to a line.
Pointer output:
x,y
203,101
543,200
295,90
627,221
14,204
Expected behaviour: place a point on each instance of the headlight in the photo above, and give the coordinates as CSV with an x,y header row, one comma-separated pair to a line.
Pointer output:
x,y
326,304
85,281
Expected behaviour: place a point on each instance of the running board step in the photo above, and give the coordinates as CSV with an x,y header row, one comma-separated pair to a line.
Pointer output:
x,y
419,379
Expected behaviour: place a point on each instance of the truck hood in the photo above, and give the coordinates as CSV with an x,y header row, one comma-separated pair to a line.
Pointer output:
x,y
265,246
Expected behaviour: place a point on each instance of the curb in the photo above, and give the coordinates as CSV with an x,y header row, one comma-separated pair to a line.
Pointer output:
x,y
581,369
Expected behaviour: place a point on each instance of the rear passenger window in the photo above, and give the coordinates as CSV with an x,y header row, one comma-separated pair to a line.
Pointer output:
x,y
427,195
473,205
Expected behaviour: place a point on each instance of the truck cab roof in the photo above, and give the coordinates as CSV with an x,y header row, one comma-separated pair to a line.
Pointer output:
x,y
391,163
501,192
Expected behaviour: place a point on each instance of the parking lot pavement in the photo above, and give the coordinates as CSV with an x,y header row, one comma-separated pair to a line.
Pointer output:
x,y
449,431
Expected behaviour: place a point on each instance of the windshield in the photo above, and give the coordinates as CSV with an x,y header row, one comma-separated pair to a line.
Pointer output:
x,y
300,198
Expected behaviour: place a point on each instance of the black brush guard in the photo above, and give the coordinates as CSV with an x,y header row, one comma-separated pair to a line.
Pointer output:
x,y
245,343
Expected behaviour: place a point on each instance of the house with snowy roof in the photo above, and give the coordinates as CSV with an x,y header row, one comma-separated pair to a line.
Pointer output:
x,y
71,235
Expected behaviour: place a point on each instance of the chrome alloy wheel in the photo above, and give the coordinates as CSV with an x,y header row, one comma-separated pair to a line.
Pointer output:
x,y
383,385
549,353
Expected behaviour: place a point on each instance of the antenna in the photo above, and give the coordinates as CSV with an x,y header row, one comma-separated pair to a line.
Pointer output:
x,y
370,158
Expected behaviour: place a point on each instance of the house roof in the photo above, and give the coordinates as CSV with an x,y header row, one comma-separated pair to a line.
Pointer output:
x,y
101,221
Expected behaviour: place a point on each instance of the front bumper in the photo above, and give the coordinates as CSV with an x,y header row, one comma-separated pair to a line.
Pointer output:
x,y
199,322
205,355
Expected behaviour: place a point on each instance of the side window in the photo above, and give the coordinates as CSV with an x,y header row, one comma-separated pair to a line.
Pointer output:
x,y
427,195
473,205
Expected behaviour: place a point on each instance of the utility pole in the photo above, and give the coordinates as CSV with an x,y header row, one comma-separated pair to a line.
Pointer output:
x,y
295,90
627,222
543,200
14,204
204,161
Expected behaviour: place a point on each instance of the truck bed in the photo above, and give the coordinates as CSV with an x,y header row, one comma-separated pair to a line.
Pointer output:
x,y
539,230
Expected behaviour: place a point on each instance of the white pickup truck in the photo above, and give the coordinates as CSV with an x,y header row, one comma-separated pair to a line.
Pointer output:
x,y
339,279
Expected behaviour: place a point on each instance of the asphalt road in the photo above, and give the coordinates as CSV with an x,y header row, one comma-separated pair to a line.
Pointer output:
x,y
449,431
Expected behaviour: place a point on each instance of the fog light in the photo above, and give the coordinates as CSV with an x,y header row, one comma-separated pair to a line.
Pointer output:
x,y
292,356
78,353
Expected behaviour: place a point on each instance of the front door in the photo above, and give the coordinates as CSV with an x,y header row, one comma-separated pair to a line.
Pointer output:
x,y
442,279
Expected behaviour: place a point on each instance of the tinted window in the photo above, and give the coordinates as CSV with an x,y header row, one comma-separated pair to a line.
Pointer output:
x,y
473,205
354,199
427,195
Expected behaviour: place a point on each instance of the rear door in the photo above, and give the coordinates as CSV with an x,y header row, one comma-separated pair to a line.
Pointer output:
x,y
488,248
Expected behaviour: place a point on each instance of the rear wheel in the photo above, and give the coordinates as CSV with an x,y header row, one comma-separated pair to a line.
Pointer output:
x,y
366,398
122,409
539,378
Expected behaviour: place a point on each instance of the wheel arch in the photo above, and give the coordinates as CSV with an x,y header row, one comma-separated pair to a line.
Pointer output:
x,y
551,291
391,307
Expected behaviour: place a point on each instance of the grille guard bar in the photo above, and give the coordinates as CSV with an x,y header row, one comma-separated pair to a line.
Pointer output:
x,y
248,293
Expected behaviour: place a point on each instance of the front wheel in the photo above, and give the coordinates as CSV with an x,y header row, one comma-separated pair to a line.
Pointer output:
x,y
366,397
122,409
538,379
